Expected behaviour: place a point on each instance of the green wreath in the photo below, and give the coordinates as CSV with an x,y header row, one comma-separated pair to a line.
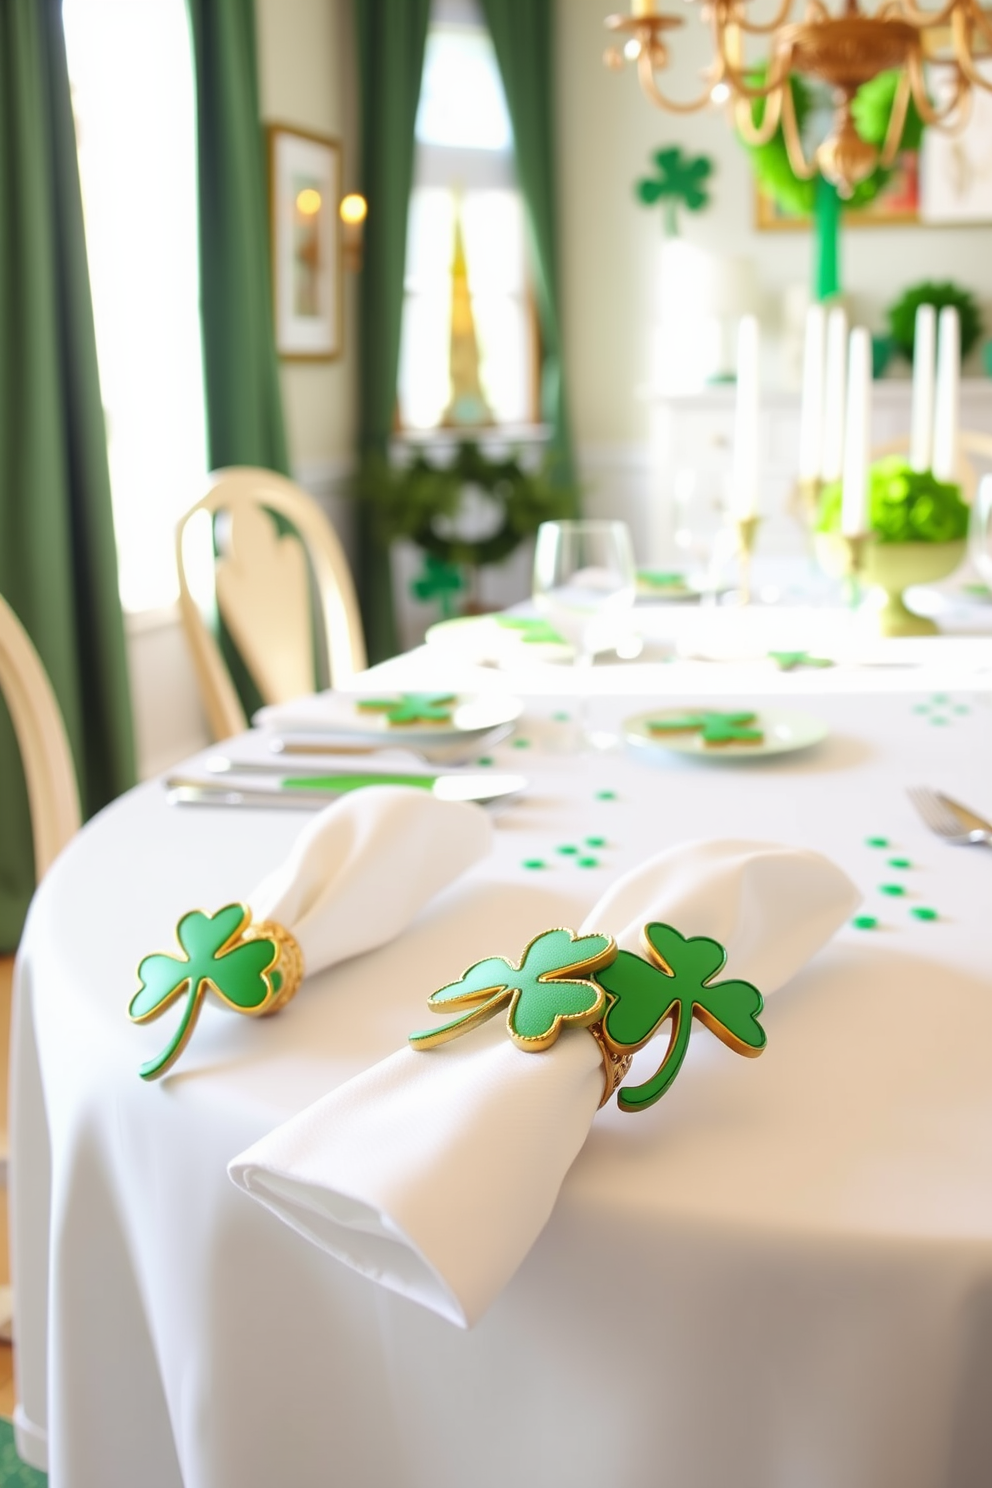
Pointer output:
x,y
408,503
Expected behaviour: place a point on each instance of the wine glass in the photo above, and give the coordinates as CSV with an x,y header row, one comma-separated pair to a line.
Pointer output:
x,y
980,535
584,583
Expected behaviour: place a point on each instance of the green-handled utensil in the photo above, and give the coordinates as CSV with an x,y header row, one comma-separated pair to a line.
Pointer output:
x,y
310,792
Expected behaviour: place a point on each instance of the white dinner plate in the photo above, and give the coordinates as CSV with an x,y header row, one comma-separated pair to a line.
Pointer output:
x,y
784,732
339,714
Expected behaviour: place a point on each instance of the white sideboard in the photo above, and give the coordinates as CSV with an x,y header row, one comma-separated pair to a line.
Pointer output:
x,y
692,440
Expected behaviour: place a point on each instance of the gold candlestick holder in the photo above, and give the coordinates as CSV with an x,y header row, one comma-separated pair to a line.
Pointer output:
x,y
747,533
806,501
852,554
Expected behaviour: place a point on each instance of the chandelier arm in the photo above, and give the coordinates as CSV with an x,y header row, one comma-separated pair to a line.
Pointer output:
x,y
645,76
905,10
763,28
897,121
963,53
793,143
753,134
778,72
934,118
983,20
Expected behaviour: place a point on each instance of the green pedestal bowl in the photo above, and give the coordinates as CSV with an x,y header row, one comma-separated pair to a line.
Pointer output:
x,y
895,567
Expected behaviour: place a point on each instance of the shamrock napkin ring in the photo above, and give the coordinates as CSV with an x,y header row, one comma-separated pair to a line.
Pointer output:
x,y
623,999
254,969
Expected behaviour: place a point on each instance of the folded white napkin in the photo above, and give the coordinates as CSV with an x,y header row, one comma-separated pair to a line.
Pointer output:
x,y
435,1171
365,866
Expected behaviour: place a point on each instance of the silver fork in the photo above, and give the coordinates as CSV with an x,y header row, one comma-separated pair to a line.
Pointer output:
x,y
949,819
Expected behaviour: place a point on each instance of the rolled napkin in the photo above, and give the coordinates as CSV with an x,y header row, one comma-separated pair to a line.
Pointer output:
x,y
434,1172
358,874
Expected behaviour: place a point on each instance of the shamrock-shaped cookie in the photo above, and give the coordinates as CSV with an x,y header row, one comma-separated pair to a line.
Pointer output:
x,y
413,707
716,728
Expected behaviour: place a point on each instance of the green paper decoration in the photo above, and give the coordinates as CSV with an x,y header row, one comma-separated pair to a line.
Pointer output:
x,y
438,580
550,988
904,505
676,983
679,180
715,728
212,961
789,661
413,707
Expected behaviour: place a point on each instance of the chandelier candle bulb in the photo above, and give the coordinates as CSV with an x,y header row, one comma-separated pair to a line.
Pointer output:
x,y
811,423
642,8
745,493
945,424
834,395
857,437
921,419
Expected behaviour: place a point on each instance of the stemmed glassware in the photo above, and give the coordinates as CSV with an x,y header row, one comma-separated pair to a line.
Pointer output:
x,y
584,583
980,536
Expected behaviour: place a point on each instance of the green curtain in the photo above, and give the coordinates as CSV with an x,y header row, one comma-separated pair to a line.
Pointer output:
x,y
391,39
241,374
524,38
58,564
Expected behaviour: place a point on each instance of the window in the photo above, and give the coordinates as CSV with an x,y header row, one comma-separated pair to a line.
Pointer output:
x,y
465,188
131,73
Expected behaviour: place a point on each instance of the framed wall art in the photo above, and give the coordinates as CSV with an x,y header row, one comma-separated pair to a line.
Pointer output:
x,y
897,204
304,191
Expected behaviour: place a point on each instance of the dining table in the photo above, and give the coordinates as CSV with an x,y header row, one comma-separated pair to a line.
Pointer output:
x,y
780,1276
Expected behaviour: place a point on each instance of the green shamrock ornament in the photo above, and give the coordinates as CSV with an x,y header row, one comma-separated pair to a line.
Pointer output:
x,y
413,707
676,982
716,728
438,580
550,988
241,975
678,179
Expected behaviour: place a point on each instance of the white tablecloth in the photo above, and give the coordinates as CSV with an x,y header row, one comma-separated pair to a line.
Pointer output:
x,y
780,1275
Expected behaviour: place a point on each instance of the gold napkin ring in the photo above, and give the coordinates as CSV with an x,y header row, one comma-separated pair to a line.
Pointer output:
x,y
289,963
615,1066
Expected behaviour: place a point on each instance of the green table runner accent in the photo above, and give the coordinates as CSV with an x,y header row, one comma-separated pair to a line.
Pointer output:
x,y
715,728
413,707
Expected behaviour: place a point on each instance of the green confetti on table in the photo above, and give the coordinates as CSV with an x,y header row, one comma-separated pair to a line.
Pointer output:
x,y
961,708
922,912
484,759
937,719
588,862
534,863
562,717
568,849
893,890
921,708
877,841
595,842
940,697
606,795
521,743
900,863
864,922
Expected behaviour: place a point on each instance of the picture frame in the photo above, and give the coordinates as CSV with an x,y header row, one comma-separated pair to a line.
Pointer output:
x,y
896,205
307,258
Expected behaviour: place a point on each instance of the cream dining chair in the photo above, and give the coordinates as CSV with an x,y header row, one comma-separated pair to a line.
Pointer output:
x,y
262,582
53,797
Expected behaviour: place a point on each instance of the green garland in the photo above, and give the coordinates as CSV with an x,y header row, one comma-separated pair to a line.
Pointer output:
x,y
408,503
904,505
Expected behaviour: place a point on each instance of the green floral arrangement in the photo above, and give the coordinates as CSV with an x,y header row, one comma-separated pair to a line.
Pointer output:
x,y
902,315
421,501
904,505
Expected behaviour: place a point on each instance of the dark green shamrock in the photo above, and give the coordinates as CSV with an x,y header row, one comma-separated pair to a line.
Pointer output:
x,y
438,580
551,986
240,975
678,179
413,707
676,982
716,728
788,661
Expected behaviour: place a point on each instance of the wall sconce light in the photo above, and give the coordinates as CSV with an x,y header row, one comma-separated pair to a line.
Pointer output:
x,y
353,212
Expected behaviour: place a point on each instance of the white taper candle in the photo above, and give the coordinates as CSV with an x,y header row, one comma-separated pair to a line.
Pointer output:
x,y
832,459
857,437
811,421
921,419
745,494
945,424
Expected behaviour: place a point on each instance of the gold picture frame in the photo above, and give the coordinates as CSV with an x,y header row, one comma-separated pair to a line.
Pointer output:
x,y
306,245
896,205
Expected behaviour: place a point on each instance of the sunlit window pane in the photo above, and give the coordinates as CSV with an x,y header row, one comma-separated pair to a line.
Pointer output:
x,y
132,87
461,96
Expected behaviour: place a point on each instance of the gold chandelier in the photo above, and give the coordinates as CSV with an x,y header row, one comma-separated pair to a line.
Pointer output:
x,y
842,51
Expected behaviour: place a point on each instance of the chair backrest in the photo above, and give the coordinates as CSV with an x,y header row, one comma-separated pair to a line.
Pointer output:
x,y
53,798
263,593
974,454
